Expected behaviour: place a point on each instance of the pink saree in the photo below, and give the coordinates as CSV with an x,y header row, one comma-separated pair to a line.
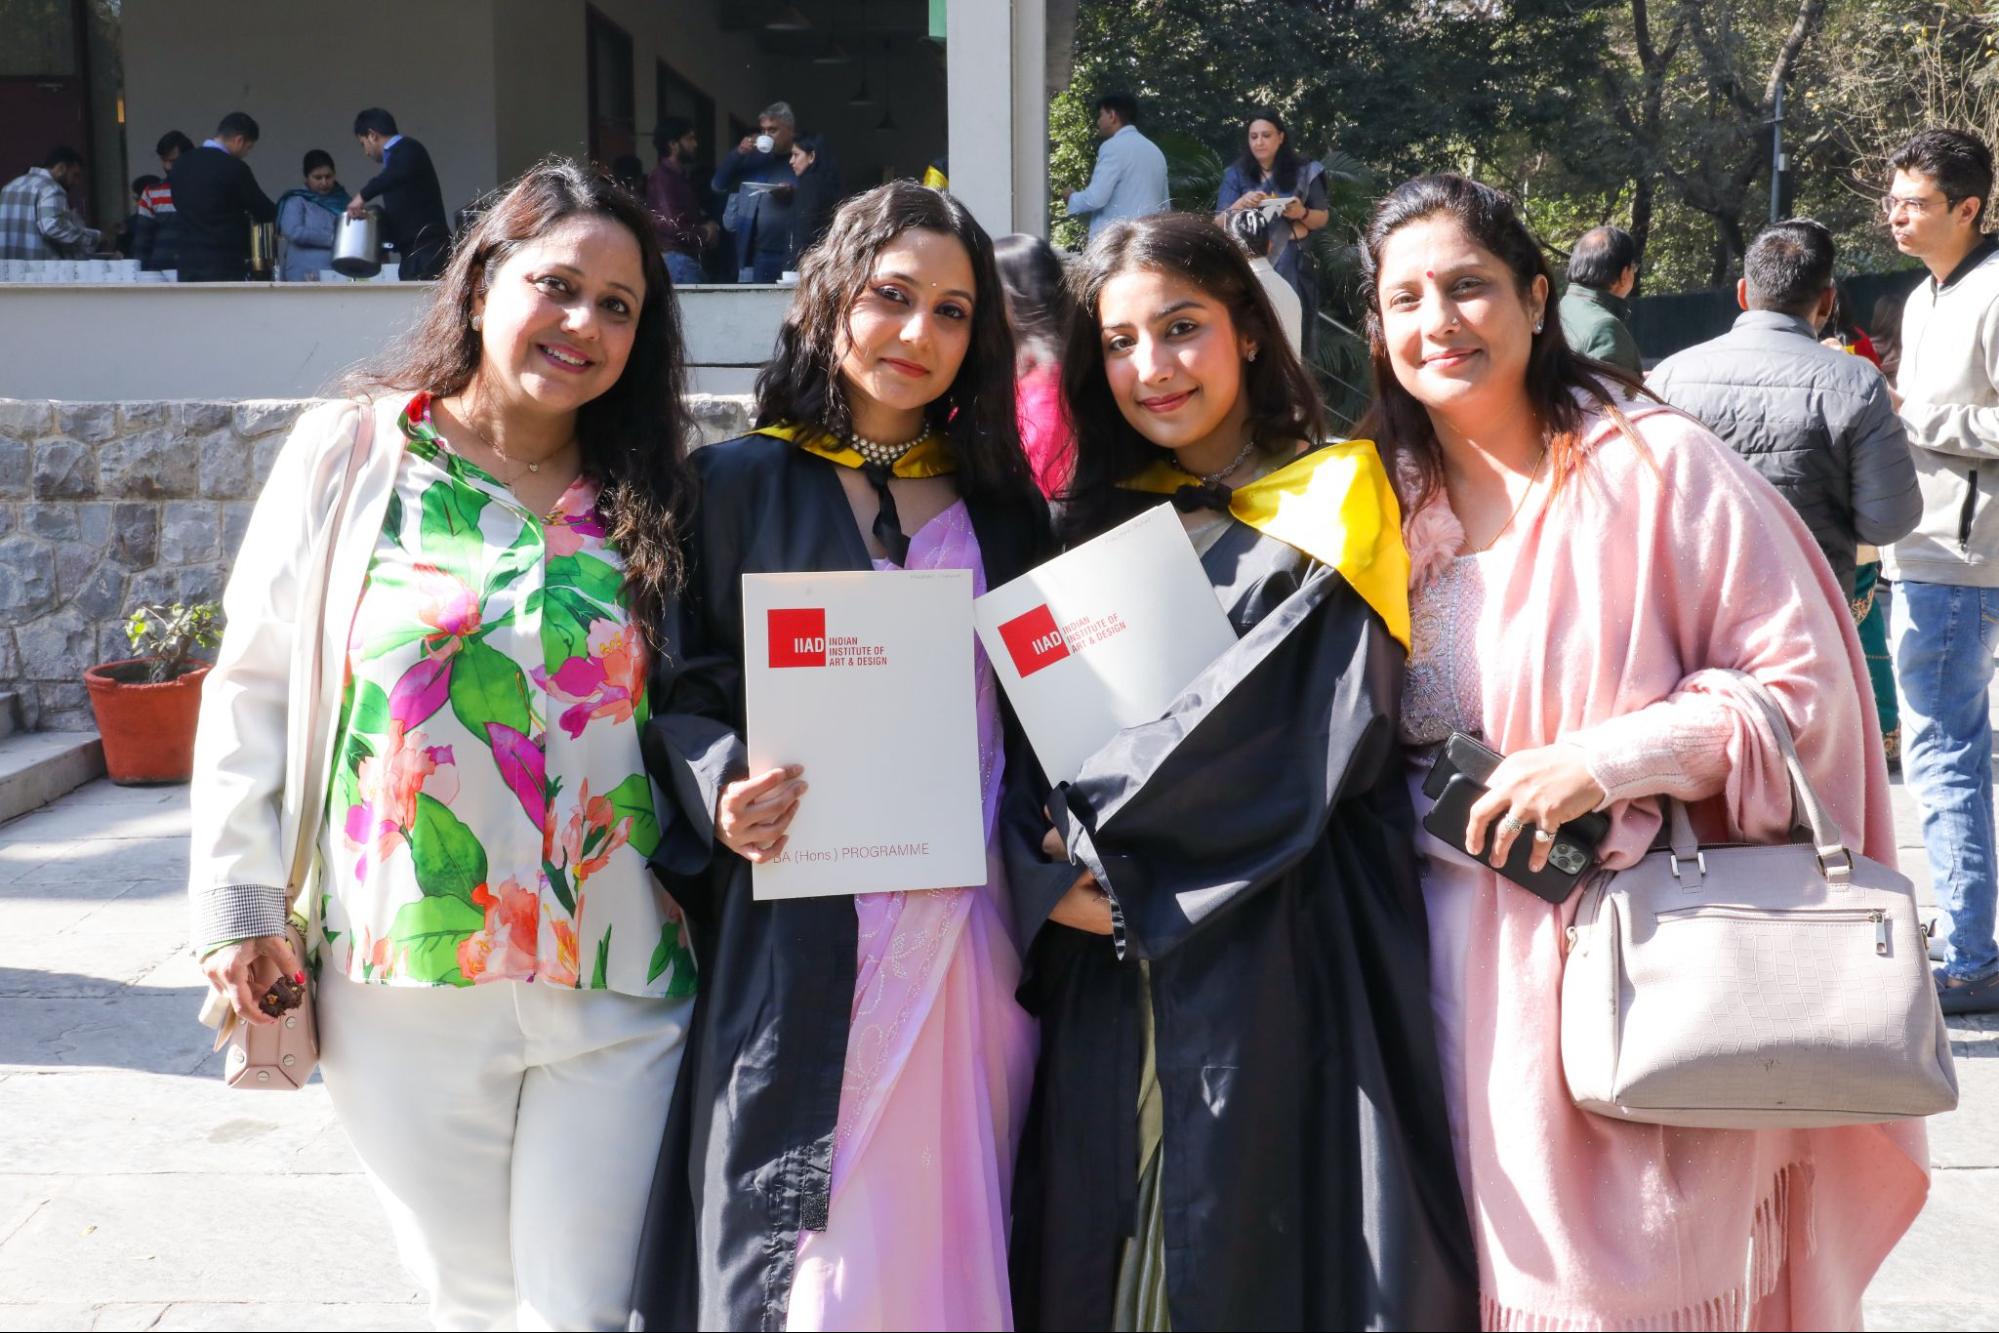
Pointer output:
x,y
940,1060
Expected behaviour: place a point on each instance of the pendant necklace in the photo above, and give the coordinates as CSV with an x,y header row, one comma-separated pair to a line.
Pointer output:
x,y
1213,478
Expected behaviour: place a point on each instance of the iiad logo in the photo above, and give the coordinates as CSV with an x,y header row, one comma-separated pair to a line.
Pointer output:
x,y
797,636
1033,641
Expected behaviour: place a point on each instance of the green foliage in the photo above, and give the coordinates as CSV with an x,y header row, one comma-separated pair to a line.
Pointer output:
x,y
1652,114
168,633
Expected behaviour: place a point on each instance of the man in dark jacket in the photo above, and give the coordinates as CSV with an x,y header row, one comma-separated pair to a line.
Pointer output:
x,y
1819,424
412,203
1603,270
216,199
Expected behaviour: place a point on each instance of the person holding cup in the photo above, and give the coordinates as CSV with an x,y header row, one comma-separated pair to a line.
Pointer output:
x,y
760,171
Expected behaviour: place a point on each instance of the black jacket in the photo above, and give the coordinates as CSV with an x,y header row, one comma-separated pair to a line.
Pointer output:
x,y
216,198
1259,843
1817,423
412,209
747,1158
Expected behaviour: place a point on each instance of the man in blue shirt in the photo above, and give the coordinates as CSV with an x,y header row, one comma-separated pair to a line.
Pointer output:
x,y
764,180
1130,179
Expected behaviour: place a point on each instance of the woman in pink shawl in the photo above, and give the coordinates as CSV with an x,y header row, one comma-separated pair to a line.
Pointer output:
x,y
1584,562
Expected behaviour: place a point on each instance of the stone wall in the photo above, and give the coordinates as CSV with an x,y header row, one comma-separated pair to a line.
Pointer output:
x,y
105,506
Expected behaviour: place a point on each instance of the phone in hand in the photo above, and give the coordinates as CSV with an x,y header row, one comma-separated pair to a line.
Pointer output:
x,y
1455,782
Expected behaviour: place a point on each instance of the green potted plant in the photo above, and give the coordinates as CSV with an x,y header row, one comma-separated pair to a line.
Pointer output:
x,y
146,704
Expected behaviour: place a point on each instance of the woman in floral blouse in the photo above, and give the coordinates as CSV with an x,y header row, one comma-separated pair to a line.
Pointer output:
x,y
503,986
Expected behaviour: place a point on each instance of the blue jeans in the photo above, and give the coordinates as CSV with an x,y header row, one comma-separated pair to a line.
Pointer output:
x,y
769,266
1944,636
682,268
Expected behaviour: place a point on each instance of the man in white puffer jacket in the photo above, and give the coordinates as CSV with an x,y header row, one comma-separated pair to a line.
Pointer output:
x,y
1945,613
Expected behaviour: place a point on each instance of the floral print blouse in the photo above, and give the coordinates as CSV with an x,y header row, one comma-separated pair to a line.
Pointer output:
x,y
489,816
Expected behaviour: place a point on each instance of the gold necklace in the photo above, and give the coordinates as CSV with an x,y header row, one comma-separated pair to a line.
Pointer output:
x,y
1518,505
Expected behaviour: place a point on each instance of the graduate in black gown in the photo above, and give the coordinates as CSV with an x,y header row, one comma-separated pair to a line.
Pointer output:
x,y
888,401
1238,1118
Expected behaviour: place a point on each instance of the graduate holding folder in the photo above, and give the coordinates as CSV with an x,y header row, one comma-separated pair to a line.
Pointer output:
x,y
840,1149
1238,1117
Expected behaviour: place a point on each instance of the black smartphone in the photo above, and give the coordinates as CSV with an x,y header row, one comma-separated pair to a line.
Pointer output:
x,y
1455,782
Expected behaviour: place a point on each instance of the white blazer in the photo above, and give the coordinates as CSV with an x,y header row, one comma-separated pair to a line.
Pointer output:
x,y
263,752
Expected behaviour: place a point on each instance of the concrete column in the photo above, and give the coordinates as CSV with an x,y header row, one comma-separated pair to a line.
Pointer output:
x,y
996,72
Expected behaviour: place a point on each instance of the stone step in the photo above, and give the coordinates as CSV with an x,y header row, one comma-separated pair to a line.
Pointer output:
x,y
38,766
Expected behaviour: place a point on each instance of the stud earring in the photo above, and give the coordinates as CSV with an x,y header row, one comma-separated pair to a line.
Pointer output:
x,y
1537,326
479,322
1252,353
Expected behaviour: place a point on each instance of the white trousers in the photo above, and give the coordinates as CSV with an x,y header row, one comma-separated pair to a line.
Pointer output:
x,y
511,1132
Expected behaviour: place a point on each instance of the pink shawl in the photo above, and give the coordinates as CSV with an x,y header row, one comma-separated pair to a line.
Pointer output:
x,y
1621,589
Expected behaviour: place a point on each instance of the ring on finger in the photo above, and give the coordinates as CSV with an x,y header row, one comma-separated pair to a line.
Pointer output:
x,y
1544,835
1513,824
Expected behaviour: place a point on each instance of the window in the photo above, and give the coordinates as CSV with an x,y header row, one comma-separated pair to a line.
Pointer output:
x,y
612,132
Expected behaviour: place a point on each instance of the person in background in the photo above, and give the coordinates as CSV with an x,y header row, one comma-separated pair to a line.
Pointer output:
x,y
412,202
1251,231
1884,330
308,217
677,221
763,180
1269,168
815,196
216,199
1037,308
159,236
1945,616
1583,562
1603,270
1842,330
1129,180
136,221
502,986
36,220
1817,423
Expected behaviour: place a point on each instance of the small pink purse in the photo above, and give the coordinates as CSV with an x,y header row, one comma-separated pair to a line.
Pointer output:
x,y
282,1055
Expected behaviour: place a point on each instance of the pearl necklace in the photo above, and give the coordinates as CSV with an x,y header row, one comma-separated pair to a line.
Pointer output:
x,y
883,455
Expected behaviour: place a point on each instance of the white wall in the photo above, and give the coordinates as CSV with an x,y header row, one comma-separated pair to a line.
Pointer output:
x,y
292,340
302,68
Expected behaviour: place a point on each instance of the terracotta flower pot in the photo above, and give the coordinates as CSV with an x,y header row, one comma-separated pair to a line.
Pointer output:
x,y
148,729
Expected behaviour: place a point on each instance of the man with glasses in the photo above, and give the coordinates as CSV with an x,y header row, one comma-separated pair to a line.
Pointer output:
x,y
1945,612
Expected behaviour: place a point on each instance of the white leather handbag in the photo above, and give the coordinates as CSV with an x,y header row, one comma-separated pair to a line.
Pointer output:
x,y
1754,987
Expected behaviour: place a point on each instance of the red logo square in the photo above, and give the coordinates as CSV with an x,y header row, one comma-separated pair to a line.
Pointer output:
x,y
797,636
1034,641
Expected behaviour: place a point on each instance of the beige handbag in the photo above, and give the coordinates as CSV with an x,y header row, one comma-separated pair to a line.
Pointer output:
x,y
282,1055
1754,987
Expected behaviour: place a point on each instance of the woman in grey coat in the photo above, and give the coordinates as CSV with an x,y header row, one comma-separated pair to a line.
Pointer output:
x,y
307,218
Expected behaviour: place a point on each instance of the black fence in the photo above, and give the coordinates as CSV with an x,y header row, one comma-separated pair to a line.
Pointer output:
x,y
1664,325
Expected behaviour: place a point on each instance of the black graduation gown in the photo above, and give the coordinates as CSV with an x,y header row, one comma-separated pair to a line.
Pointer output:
x,y
1259,844
746,1161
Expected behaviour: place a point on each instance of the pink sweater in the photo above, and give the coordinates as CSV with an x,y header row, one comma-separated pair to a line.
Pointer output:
x,y
1622,591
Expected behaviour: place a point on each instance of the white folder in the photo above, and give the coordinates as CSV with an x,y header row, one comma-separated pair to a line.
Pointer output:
x,y
865,679
1103,637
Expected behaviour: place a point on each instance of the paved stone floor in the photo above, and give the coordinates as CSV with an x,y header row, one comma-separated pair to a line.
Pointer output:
x,y
137,1192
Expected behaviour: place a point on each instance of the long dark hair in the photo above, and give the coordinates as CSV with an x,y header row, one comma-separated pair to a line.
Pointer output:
x,y
1559,380
1283,406
1037,304
1283,167
633,435
976,413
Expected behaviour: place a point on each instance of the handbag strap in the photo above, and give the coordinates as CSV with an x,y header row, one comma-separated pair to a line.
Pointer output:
x,y
308,819
1808,809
